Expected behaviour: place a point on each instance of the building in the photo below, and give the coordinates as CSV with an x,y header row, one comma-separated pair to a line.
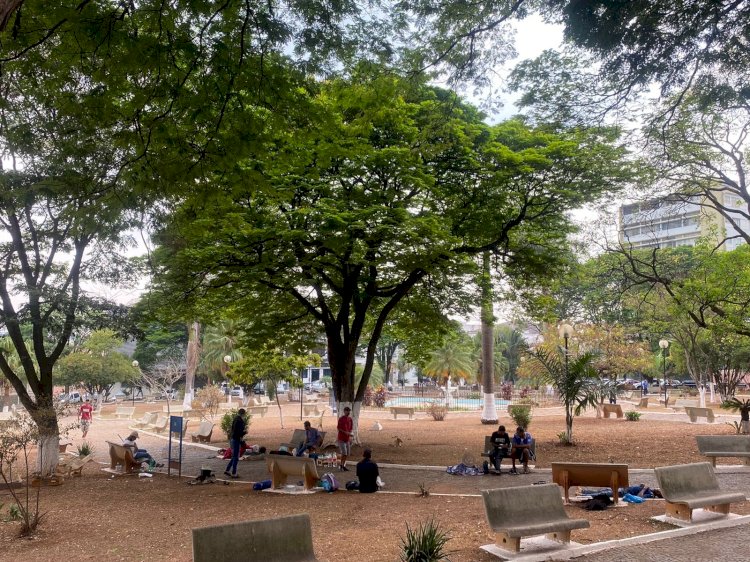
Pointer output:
x,y
669,222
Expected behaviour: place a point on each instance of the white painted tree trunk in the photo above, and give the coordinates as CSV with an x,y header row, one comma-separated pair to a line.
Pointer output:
x,y
49,451
701,397
713,395
489,409
191,363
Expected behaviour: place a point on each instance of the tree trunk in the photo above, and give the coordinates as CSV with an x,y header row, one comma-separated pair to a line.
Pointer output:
x,y
489,410
192,360
7,401
569,425
49,438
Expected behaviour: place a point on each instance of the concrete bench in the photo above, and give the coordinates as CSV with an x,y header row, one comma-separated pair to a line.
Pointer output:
x,y
119,455
713,446
567,474
160,424
124,412
396,410
257,410
643,403
147,419
298,436
281,466
527,511
203,435
695,413
681,403
285,539
313,410
691,486
608,409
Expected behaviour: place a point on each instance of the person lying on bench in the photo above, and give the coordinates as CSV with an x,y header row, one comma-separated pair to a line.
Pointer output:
x,y
521,445
501,446
311,442
140,455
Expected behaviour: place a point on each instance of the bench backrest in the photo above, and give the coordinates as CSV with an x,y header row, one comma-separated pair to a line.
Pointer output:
x,y
205,429
125,410
686,479
699,411
523,505
273,540
294,466
120,451
723,443
590,474
161,420
611,407
299,436
682,403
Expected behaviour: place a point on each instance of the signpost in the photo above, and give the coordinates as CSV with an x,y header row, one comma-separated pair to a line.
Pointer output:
x,y
175,427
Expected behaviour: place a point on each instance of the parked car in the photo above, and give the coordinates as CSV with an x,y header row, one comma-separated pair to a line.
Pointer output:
x,y
689,382
74,397
237,391
259,389
317,386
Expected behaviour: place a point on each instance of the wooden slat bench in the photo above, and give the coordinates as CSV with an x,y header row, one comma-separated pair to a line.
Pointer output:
x,y
120,455
396,410
713,446
695,413
567,474
527,511
608,409
285,539
691,486
489,448
281,466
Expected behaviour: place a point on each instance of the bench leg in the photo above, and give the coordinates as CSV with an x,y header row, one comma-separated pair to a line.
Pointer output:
x,y
512,544
559,536
745,460
679,511
565,477
721,508
614,483
278,478
394,415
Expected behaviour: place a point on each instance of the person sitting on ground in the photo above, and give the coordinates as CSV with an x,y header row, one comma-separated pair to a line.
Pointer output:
x,y
501,446
311,442
367,472
521,450
140,455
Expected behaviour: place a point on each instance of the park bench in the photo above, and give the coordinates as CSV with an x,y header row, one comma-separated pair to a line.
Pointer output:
x,y
182,431
120,455
643,403
298,436
281,466
124,412
261,401
257,410
147,419
694,413
608,409
527,511
203,435
691,486
681,403
311,409
396,410
713,446
567,474
160,424
284,539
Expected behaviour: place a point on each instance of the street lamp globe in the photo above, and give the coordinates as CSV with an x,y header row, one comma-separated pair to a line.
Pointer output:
x,y
135,364
664,344
227,359
565,330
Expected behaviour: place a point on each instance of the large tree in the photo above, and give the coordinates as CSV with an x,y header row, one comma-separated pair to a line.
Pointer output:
x,y
389,187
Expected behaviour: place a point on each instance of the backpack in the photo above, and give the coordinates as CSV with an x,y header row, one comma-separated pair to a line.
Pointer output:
x,y
329,482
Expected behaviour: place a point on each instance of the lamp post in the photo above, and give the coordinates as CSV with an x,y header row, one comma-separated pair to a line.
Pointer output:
x,y
664,344
132,390
565,331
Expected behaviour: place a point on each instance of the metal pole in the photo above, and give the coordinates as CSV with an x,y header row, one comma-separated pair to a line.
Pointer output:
x,y
664,370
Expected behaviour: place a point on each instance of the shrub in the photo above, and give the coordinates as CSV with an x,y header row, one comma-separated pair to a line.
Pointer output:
x,y
474,395
524,392
563,438
736,425
506,391
521,416
425,544
85,449
226,421
209,397
632,415
380,397
437,411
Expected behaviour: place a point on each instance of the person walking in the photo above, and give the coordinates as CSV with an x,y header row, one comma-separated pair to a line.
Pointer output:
x,y
236,435
85,415
345,428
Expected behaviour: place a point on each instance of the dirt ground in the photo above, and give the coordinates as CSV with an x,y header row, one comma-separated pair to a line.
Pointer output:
x,y
98,517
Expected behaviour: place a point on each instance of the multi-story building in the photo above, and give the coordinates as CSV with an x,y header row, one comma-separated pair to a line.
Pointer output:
x,y
668,222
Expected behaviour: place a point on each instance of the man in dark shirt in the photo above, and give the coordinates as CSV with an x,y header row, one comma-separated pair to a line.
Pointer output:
x,y
501,443
236,435
367,472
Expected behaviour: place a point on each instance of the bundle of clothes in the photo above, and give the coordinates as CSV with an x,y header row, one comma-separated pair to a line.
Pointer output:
x,y
246,451
462,469
600,497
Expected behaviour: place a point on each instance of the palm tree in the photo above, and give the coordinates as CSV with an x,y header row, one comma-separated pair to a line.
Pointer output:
x,y
743,407
451,361
575,380
513,346
219,341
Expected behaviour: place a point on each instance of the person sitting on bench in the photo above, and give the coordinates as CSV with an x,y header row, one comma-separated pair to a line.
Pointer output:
x,y
311,442
501,442
521,445
140,455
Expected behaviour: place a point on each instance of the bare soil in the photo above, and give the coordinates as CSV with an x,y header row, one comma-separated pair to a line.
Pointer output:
x,y
98,517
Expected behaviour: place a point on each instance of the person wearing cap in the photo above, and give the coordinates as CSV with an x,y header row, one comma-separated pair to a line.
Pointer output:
x,y
345,428
85,415
140,455
236,436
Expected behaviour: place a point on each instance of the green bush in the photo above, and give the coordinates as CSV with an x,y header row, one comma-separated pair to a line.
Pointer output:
x,y
226,421
521,416
632,415
85,449
563,438
425,544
